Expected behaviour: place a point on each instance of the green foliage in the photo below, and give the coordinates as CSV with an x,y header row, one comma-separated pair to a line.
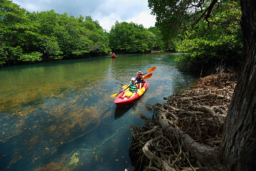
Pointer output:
x,y
31,57
221,42
208,42
131,37
157,41
26,36
170,15
9,53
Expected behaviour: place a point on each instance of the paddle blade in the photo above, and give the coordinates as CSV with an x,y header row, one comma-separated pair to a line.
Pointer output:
x,y
152,69
114,95
148,76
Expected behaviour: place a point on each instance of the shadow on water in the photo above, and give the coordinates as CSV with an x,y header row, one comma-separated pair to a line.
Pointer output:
x,y
120,111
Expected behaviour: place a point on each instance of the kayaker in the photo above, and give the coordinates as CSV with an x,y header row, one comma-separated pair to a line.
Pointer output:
x,y
132,88
113,55
139,80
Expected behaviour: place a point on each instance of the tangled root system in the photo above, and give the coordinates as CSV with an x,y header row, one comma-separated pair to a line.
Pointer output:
x,y
186,130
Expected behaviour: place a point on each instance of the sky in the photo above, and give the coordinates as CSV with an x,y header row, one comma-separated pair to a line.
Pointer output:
x,y
107,12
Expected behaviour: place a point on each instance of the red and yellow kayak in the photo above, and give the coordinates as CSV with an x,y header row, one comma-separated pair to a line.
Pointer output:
x,y
119,101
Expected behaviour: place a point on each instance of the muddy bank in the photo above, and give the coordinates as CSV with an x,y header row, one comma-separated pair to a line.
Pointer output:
x,y
190,120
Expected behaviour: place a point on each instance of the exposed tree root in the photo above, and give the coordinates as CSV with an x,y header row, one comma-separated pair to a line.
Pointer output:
x,y
185,132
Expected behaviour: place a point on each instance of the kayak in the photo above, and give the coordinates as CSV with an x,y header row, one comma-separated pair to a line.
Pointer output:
x,y
119,101
113,56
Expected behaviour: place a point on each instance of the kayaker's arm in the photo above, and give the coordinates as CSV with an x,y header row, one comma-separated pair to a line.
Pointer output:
x,y
126,87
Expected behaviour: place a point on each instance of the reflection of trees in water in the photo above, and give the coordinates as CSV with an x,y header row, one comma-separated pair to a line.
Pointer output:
x,y
18,97
128,65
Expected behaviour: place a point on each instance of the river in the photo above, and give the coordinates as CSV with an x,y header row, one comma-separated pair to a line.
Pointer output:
x,y
59,115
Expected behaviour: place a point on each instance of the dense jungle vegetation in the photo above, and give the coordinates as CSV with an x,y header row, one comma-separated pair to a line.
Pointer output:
x,y
37,36
131,37
212,41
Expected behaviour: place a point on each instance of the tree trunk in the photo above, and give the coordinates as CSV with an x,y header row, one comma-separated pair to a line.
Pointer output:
x,y
238,146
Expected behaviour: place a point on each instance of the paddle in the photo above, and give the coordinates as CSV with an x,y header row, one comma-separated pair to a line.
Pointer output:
x,y
146,77
151,70
115,95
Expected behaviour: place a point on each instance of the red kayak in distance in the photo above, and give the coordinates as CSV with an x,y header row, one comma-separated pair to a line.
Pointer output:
x,y
113,56
119,101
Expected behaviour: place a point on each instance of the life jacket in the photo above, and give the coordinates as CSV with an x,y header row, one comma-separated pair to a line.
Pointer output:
x,y
139,79
132,87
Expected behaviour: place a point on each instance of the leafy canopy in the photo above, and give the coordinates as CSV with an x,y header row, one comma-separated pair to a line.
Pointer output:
x,y
223,41
208,30
29,37
131,37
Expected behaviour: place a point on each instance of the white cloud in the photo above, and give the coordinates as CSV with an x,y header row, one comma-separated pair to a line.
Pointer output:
x,y
136,11
144,18
107,12
108,21
32,7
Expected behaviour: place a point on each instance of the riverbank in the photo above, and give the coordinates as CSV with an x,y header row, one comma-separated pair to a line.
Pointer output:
x,y
47,58
189,120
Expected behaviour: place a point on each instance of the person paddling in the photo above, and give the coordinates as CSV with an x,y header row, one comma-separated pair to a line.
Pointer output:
x,y
132,88
113,55
139,80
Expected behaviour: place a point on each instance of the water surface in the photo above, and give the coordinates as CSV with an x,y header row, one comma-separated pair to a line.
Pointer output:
x,y
60,116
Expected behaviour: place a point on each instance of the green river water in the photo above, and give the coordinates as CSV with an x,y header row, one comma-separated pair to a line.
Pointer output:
x,y
60,116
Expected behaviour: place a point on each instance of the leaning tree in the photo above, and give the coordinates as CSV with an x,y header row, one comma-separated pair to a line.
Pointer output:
x,y
237,150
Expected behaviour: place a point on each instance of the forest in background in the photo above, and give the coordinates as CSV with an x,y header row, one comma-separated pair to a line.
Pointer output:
x,y
36,36
131,37
46,35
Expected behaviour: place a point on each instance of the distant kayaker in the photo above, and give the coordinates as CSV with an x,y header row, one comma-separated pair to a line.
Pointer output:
x,y
132,88
113,55
139,80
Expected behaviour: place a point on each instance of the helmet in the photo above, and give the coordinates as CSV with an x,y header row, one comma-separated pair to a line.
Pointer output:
x,y
139,72
132,79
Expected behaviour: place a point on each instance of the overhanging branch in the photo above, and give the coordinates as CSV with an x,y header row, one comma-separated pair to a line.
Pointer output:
x,y
207,12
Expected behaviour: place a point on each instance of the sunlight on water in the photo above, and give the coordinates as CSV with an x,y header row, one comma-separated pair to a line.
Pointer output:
x,y
60,116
